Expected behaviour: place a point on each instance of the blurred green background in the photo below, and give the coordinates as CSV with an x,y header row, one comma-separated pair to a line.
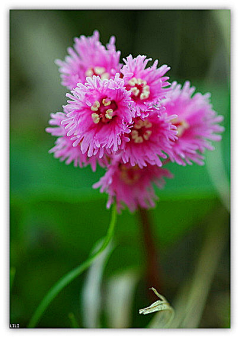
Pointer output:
x,y
56,217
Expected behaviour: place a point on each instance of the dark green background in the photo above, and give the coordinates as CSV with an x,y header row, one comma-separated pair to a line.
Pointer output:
x,y
56,217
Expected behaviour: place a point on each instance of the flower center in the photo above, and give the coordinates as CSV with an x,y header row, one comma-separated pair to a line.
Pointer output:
x,y
139,88
98,71
129,175
141,131
103,111
181,126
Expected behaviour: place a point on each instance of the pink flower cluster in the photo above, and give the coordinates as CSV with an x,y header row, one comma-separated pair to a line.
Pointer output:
x,y
129,119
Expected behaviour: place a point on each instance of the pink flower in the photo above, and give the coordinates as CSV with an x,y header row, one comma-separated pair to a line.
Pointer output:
x,y
64,149
150,138
89,57
147,85
98,115
131,186
197,123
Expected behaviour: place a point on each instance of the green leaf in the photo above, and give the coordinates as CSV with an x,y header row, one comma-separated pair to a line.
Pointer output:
x,y
120,291
73,320
12,275
65,280
91,295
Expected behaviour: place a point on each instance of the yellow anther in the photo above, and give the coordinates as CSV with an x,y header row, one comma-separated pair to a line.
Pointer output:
x,y
99,70
105,76
173,121
133,81
95,118
95,106
144,95
139,124
135,91
180,131
109,114
89,72
182,127
147,124
124,168
134,174
106,102
147,134
134,133
138,139
185,124
146,89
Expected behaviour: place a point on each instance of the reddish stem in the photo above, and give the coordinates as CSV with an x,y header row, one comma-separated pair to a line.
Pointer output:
x,y
153,276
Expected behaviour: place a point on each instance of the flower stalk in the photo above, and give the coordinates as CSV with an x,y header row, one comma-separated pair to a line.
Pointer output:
x,y
153,272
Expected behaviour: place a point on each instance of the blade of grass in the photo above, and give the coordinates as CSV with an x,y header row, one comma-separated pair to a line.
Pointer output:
x,y
207,265
120,292
91,298
193,297
216,169
12,275
73,320
70,276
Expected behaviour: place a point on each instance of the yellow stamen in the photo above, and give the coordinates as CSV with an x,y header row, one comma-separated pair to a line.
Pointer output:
x,y
133,81
147,124
135,91
105,76
95,118
181,126
185,124
144,95
139,124
89,72
109,114
139,139
95,106
173,121
134,174
147,134
99,70
146,89
106,102
134,134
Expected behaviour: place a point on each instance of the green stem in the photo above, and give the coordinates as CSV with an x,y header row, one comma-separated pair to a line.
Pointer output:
x,y
70,276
